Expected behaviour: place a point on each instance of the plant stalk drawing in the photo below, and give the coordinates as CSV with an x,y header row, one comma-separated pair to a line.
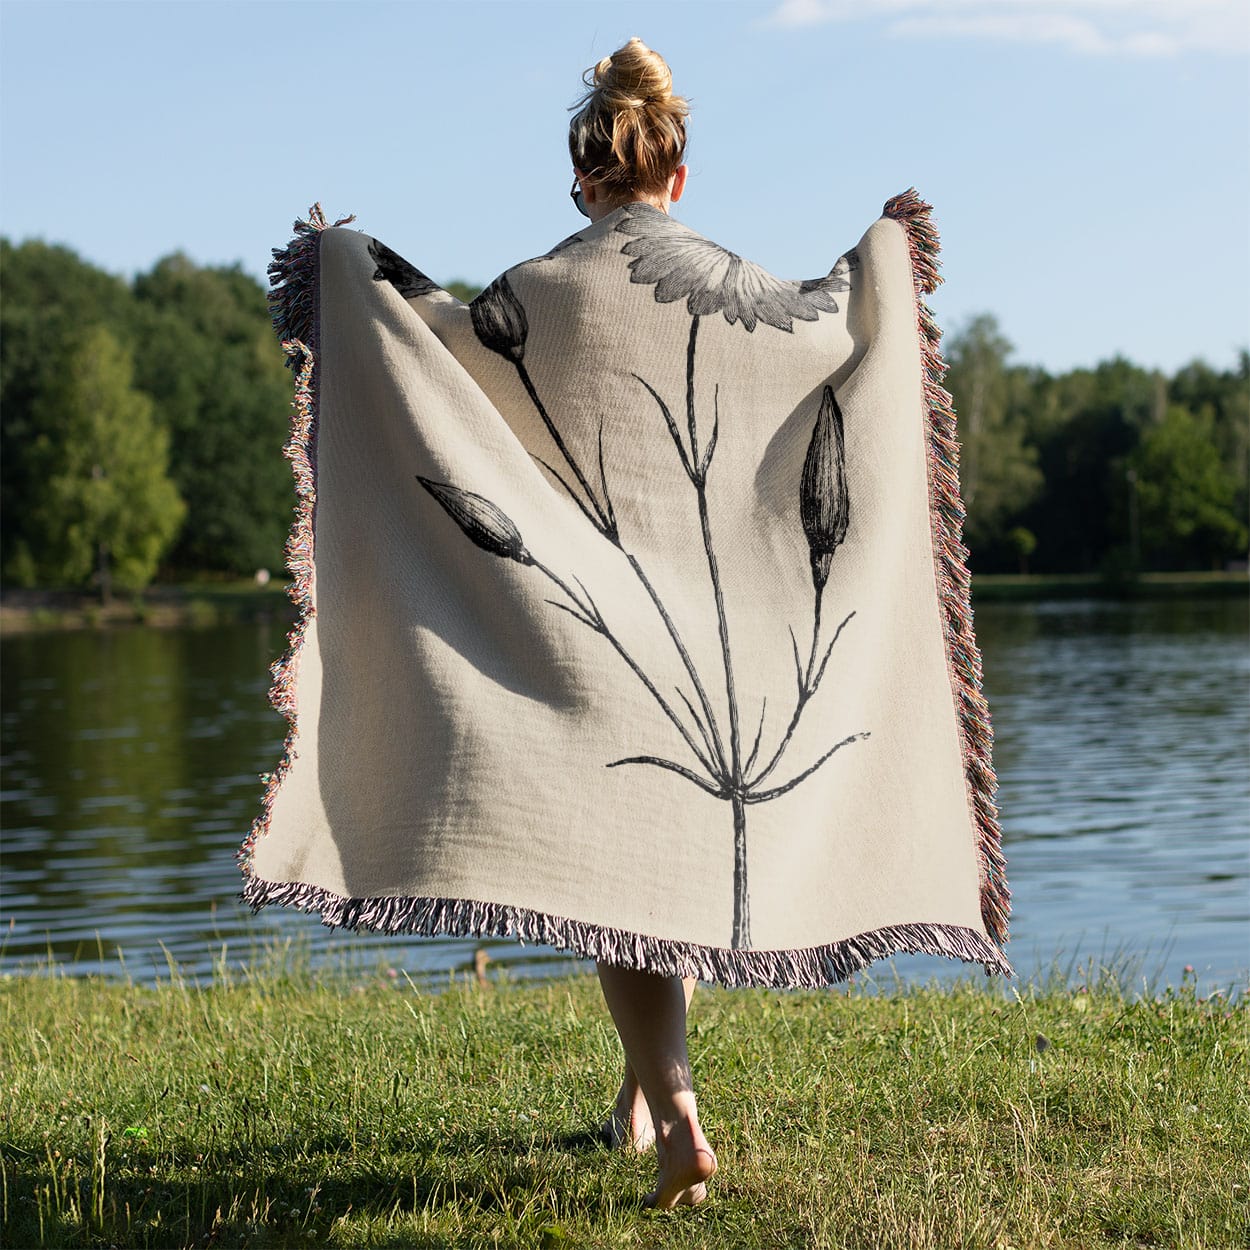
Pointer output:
x,y
684,265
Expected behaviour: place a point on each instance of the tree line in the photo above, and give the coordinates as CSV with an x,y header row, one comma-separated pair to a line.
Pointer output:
x,y
141,423
1112,470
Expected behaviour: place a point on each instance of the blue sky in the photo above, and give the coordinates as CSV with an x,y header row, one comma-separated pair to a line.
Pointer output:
x,y
1089,160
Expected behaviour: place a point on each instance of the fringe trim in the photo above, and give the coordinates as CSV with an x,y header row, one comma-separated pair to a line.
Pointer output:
x,y
947,514
809,968
293,281
293,304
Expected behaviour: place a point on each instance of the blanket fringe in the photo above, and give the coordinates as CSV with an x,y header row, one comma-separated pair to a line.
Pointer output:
x,y
954,580
293,304
293,281
809,968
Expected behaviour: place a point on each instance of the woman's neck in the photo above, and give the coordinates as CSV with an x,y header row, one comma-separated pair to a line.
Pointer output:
x,y
601,209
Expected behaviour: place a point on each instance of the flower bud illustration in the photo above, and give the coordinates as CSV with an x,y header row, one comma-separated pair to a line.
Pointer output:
x,y
499,320
407,279
487,525
823,503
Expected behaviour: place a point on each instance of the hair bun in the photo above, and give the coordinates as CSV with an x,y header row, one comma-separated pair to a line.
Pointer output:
x,y
634,76
630,129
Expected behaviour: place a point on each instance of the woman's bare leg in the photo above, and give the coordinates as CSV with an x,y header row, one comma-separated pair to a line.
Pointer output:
x,y
650,1015
629,1124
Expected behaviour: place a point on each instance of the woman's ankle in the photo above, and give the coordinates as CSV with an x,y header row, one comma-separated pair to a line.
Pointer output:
x,y
677,1112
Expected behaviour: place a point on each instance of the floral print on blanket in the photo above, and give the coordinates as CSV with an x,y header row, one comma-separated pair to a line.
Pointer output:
x,y
681,265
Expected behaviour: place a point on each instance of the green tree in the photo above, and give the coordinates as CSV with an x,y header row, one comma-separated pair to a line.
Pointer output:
x,y
1186,495
208,358
1085,424
106,506
1023,542
997,467
51,297
1223,399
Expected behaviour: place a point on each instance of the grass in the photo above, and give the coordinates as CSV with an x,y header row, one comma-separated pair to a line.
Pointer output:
x,y
282,1107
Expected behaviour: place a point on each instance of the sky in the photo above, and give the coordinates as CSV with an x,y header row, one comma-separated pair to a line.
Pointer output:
x,y
1088,160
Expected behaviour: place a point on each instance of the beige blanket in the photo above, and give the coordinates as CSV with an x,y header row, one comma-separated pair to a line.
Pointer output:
x,y
634,614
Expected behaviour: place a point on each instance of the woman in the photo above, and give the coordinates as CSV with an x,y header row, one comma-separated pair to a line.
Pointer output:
x,y
599,724
628,141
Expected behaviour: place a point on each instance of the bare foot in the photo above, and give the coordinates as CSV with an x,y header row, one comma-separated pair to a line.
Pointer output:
x,y
686,1165
629,1126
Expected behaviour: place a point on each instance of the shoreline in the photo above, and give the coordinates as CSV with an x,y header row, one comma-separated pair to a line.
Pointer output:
x,y
292,965
172,606
202,604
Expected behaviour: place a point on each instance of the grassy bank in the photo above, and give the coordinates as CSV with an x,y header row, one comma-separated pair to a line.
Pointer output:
x,y
166,606
285,1109
995,587
212,603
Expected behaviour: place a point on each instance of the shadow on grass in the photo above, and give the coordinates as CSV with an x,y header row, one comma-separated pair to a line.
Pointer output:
x,y
267,1197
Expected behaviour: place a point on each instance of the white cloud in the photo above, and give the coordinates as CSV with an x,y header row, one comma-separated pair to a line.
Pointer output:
x,y
1137,28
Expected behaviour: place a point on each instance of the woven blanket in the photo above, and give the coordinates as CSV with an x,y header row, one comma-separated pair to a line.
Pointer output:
x,y
633,612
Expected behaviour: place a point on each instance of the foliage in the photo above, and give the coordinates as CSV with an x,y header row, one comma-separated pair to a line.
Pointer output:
x,y
274,1108
1115,468
1186,490
998,468
51,298
1055,457
1223,401
207,355
106,505
466,292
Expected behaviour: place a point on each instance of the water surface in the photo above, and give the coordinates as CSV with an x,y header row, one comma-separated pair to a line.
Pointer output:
x,y
131,759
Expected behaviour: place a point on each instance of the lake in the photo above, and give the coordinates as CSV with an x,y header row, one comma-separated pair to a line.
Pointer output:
x,y
1122,735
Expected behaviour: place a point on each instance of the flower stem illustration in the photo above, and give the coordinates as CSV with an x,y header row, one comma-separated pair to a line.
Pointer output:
x,y
492,530
501,325
684,265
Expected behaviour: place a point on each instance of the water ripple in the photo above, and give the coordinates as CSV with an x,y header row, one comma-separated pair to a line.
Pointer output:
x,y
131,764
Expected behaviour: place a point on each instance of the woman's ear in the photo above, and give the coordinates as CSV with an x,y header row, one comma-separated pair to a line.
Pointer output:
x,y
678,184
588,185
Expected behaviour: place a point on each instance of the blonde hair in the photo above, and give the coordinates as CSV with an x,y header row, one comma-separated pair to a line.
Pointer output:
x,y
629,133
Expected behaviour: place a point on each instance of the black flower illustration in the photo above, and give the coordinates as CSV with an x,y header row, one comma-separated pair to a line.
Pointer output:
x,y
681,264
500,323
823,503
499,320
836,280
482,521
407,279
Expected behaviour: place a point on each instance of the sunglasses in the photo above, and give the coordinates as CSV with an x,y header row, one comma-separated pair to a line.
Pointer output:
x,y
576,196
